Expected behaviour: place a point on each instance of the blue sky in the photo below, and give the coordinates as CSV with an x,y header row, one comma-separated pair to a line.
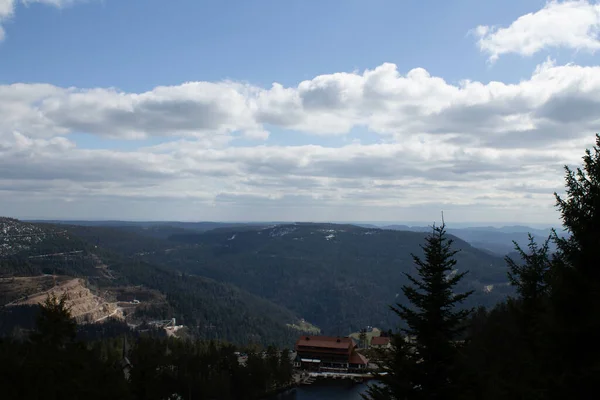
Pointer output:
x,y
97,122
136,45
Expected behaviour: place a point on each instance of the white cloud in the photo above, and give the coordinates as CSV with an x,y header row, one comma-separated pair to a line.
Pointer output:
x,y
55,3
568,24
382,100
7,8
475,148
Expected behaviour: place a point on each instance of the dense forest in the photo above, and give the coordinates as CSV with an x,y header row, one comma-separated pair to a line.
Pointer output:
x,y
541,343
198,302
338,277
53,362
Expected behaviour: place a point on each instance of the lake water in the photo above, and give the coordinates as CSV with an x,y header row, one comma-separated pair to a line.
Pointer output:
x,y
335,390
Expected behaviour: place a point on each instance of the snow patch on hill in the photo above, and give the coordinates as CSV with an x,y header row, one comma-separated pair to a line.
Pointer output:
x,y
331,233
279,232
16,236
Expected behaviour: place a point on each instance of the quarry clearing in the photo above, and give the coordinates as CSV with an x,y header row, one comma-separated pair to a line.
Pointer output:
x,y
85,306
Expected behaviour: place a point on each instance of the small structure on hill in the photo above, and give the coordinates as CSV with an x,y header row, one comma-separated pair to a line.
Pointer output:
x,y
328,354
381,342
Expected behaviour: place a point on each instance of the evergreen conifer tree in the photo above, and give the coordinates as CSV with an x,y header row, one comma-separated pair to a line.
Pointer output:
x,y
529,338
395,364
424,363
55,326
575,294
530,278
362,338
532,282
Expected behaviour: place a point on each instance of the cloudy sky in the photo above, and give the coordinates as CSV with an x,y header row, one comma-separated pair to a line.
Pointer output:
x,y
337,110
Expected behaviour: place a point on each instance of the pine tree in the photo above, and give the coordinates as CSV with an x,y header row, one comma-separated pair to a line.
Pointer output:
x,y
395,365
285,370
55,326
575,294
424,363
531,280
362,338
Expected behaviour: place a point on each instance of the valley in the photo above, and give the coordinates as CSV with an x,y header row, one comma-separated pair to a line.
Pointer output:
x,y
249,200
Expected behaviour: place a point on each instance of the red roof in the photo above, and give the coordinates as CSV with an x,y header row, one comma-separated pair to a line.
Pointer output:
x,y
328,342
380,341
357,358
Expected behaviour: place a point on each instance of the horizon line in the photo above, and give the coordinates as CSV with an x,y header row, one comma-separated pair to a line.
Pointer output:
x,y
494,224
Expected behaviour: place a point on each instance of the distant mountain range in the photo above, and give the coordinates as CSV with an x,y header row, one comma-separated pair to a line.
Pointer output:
x,y
257,280
496,240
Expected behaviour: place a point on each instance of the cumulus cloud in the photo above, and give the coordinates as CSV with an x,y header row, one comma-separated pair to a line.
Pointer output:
x,y
188,109
567,24
468,147
382,100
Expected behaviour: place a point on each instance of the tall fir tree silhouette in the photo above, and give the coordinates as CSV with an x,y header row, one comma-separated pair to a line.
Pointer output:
x,y
575,294
424,360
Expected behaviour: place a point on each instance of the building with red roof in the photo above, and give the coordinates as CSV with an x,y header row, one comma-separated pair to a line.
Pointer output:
x,y
380,342
328,353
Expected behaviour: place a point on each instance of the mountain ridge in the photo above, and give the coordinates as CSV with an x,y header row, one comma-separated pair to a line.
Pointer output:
x,y
494,239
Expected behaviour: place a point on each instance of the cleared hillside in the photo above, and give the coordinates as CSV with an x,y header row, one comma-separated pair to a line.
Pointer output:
x,y
85,306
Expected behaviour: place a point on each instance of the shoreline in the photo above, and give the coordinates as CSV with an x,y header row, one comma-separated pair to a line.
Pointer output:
x,y
280,391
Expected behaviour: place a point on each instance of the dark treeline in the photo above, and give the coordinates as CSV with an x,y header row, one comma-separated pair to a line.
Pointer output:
x,y
52,362
18,321
14,320
540,344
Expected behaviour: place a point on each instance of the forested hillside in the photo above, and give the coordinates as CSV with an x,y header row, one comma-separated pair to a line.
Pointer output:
x,y
209,308
250,281
340,277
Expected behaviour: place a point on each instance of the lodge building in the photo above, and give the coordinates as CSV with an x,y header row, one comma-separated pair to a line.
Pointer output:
x,y
328,354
